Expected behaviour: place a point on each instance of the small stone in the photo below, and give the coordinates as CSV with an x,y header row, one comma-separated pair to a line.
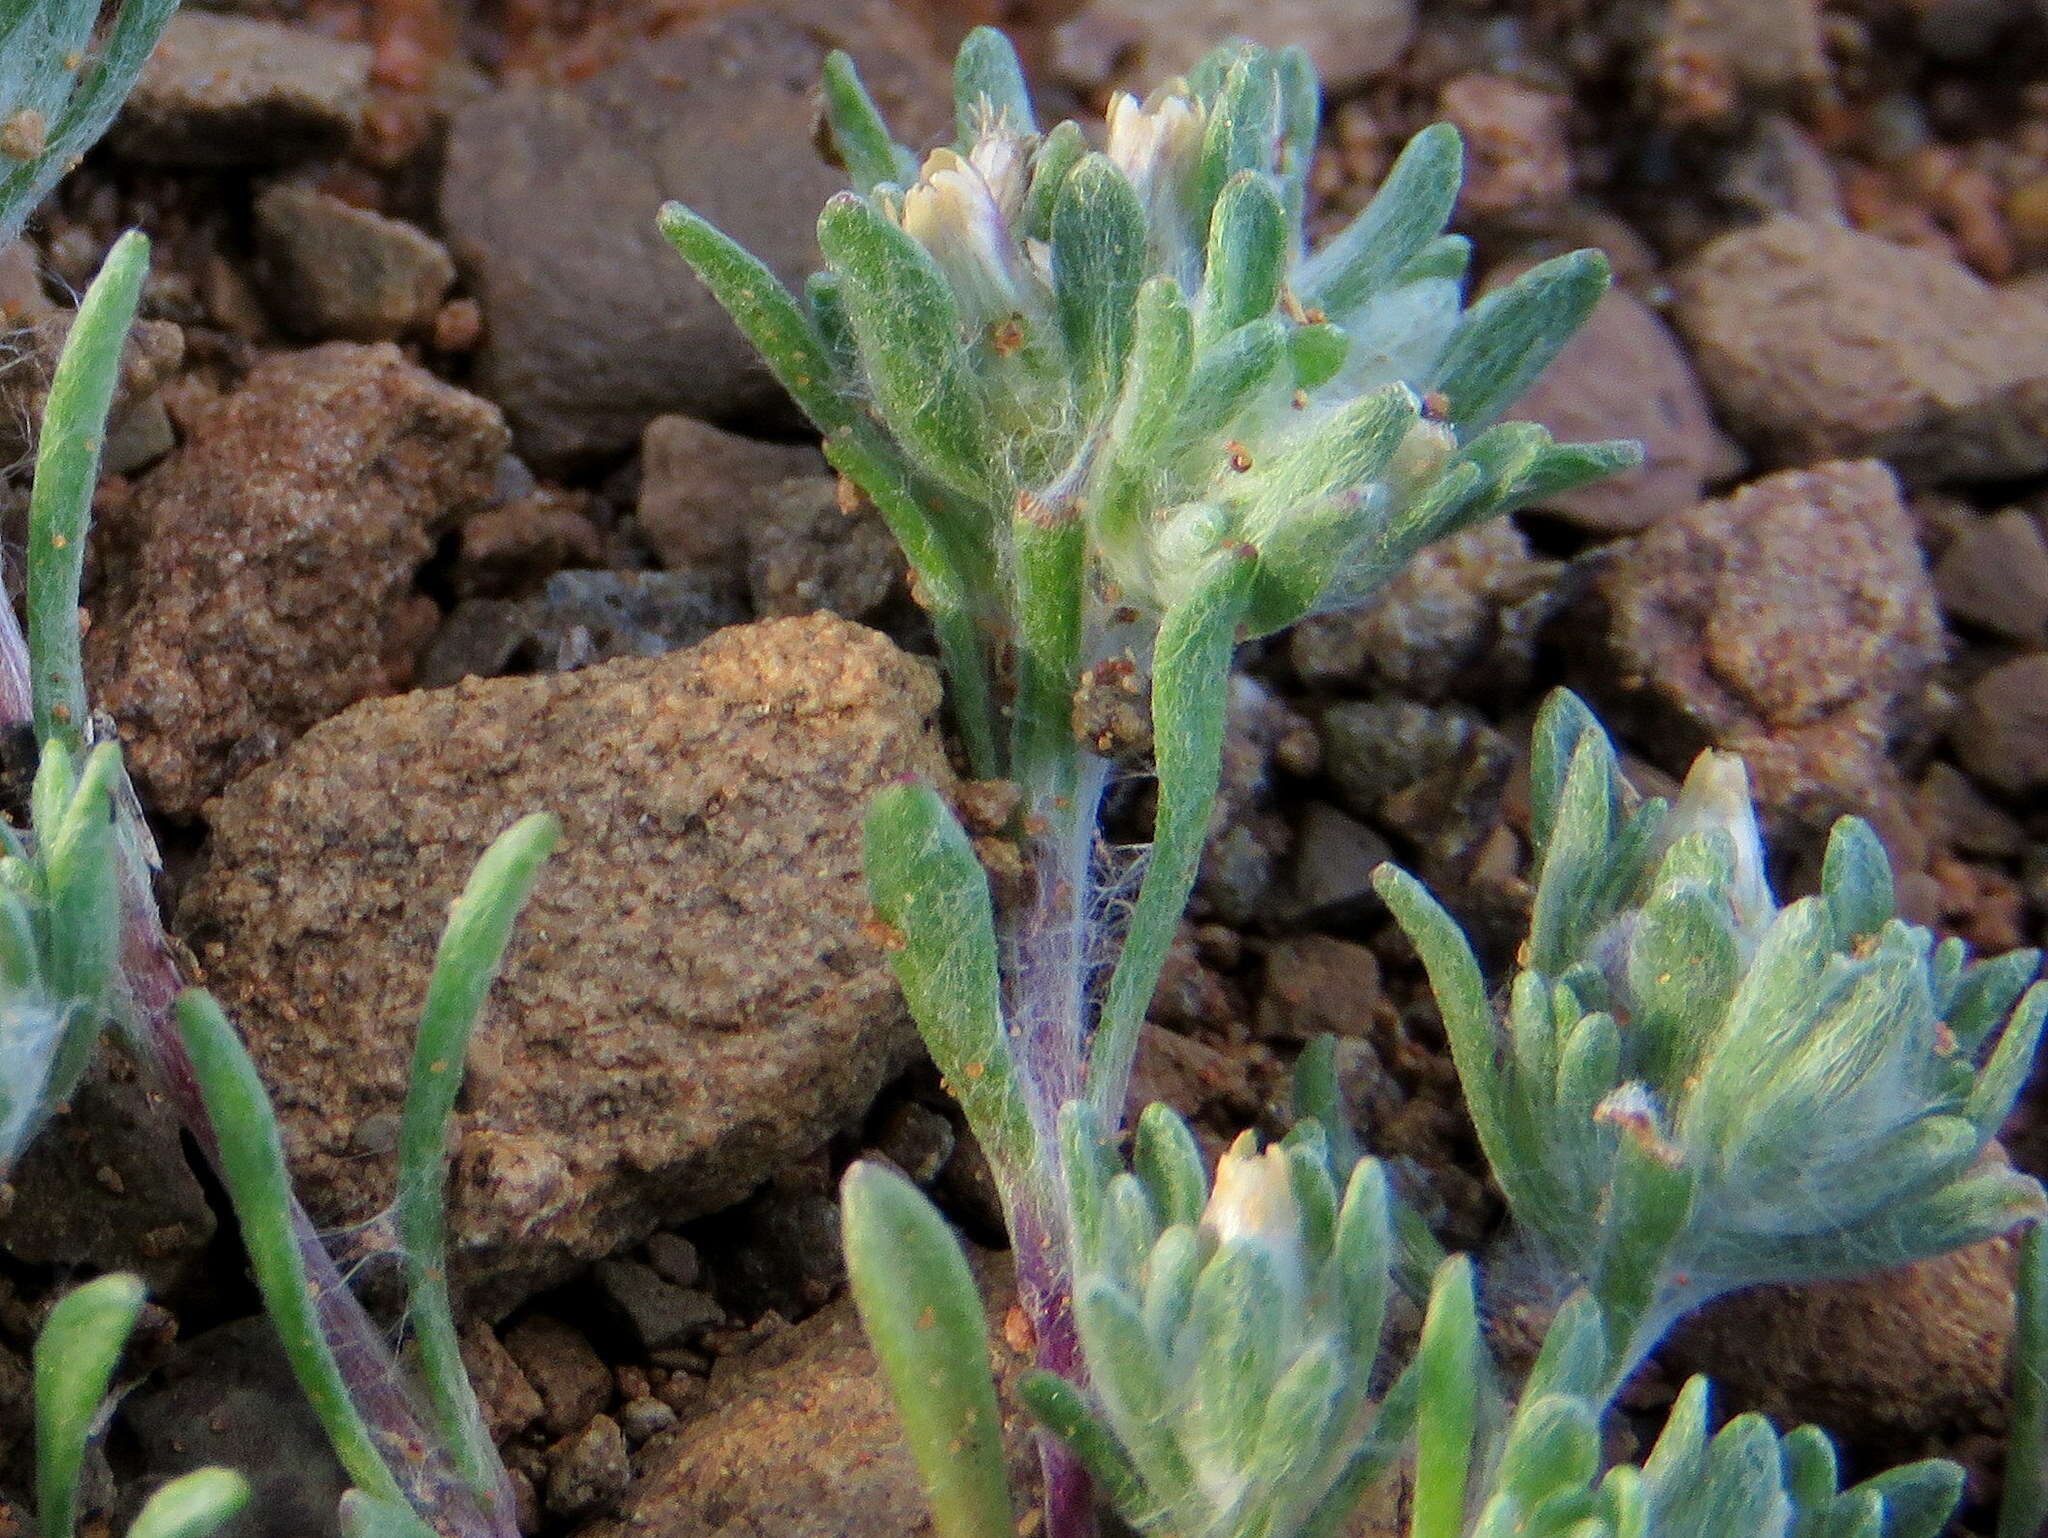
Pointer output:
x,y
675,1259
916,1139
1625,376
562,1367
510,1401
1518,156
221,631
646,1417
236,91
1461,617
657,1312
588,1470
809,553
1995,574
337,271
2002,735
592,324
1374,748
703,490
1330,880
510,551
1793,623
1770,47
779,1251
1142,43
1819,341
1317,986
1961,817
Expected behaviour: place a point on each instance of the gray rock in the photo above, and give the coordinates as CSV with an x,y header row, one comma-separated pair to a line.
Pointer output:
x,y
1625,376
658,1313
236,91
808,553
1819,341
337,271
1141,43
1994,574
577,619
691,1000
593,325
645,1417
1330,878
917,1140
674,1259
1433,778
2002,735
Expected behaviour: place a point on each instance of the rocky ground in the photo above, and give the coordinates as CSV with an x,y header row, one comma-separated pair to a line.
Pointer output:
x,y
439,492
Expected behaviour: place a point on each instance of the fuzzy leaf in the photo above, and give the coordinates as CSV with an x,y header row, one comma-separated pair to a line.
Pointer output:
x,y
1510,336
866,148
1405,215
1098,263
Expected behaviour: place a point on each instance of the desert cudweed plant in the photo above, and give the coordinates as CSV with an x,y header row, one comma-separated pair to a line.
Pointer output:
x,y
1698,1089
62,79
1119,417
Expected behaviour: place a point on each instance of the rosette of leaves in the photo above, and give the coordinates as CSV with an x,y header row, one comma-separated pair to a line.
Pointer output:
x,y
1696,1088
63,76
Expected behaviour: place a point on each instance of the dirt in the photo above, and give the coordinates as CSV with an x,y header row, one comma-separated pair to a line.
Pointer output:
x,y
440,492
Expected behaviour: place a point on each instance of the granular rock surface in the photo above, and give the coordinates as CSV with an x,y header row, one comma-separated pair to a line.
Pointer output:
x,y
690,999
252,585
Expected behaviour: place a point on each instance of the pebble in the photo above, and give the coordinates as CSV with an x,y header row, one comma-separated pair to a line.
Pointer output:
x,y
559,1362
2001,736
588,1469
1141,43
333,270
1994,574
657,1312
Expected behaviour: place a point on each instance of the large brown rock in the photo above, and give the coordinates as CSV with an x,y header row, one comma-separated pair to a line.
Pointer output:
x,y
1819,341
691,1000
1793,622
1142,43
593,325
255,580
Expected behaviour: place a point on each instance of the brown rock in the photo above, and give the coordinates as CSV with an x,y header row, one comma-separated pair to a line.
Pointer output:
x,y
703,489
1792,622
1995,574
1518,157
260,565
559,1364
237,91
1142,43
510,1401
1625,376
2002,735
799,1439
1317,985
689,1001
588,1470
1773,47
593,325
1819,341
808,552
335,270
1902,1364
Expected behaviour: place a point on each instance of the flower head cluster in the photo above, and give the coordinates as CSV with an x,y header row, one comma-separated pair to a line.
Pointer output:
x,y
1700,1088
1230,1330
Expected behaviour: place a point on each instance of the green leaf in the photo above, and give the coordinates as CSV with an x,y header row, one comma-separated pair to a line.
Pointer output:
x,y
1986,992
1171,1272
192,1505
765,311
989,93
1856,875
909,328
1301,1417
1683,968
1919,1498
1317,351
1405,215
1573,1357
1130,1377
1059,1407
1318,1097
364,1516
76,1352
1190,702
1098,263
67,467
1247,255
920,1307
1169,1161
1364,1238
930,889
471,953
1058,153
1510,336
1575,857
1563,720
2023,1509
252,1168
866,148
1553,1446
1238,1318
1243,130
1227,377
1447,1425
1649,1206
1998,1086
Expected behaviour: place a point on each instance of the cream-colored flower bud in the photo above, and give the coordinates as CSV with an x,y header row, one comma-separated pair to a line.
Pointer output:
x,y
1253,1197
1716,795
954,214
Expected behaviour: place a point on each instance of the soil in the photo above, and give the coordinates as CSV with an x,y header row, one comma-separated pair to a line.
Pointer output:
x,y
437,492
